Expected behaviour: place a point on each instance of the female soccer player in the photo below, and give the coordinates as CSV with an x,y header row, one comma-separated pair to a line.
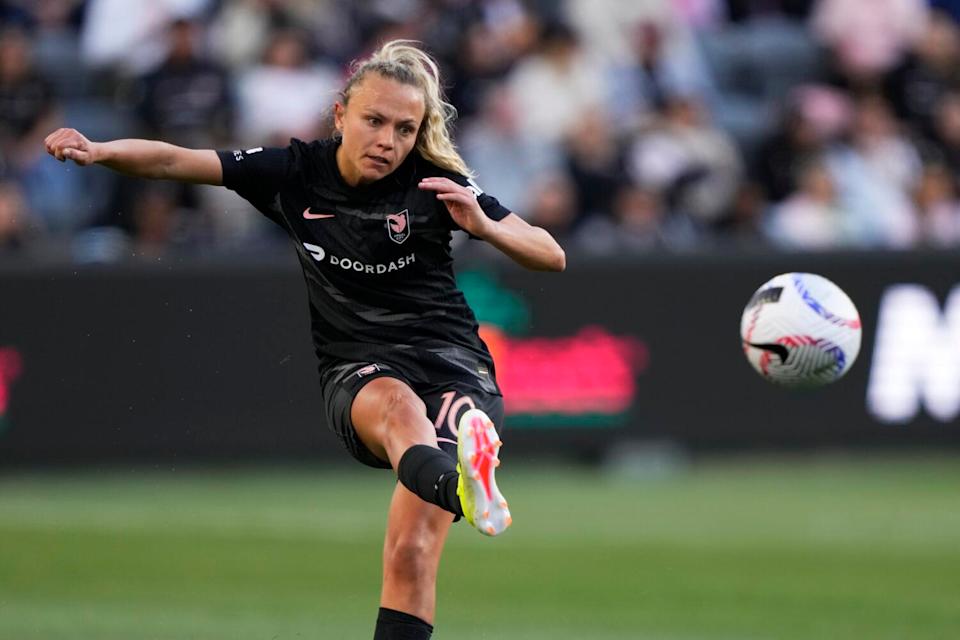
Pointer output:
x,y
406,380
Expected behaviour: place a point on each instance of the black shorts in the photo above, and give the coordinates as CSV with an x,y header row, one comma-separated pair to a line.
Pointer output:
x,y
446,401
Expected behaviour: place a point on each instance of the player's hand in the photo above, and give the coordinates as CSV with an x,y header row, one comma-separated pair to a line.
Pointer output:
x,y
461,203
70,144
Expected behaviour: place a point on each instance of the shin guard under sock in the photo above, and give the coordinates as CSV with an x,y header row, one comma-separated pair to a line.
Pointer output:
x,y
432,475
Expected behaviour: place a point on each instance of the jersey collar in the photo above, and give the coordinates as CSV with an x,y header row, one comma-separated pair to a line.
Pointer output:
x,y
398,178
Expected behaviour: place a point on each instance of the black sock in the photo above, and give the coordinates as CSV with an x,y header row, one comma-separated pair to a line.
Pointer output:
x,y
431,474
397,625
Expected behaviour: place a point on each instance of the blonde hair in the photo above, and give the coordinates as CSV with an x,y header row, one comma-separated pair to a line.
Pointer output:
x,y
405,62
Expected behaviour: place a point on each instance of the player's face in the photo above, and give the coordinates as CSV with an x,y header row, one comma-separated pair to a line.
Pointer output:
x,y
379,125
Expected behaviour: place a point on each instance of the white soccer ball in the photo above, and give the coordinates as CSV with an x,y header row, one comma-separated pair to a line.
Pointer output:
x,y
800,330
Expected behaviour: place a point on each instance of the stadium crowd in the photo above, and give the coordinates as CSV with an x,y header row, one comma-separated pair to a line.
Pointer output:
x,y
619,125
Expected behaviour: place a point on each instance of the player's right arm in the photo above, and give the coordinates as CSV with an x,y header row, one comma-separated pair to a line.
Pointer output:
x,y
140,158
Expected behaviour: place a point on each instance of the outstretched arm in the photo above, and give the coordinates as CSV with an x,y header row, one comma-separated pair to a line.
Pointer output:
x,y
140,158
530,246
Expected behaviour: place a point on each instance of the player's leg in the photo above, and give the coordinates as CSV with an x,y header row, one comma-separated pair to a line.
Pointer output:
x,y
416,532
390,420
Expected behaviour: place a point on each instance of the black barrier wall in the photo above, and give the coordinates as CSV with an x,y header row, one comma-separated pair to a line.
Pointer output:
x,y
215,361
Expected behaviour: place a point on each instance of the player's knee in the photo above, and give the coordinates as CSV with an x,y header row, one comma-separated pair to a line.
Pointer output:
x,y
399,401
390,418
403,411
409,559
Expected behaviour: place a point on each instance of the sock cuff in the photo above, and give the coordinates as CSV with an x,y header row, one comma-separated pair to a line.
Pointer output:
x,y
392,616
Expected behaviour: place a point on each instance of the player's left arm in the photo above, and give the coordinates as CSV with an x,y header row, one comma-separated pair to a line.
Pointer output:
x,y
529,246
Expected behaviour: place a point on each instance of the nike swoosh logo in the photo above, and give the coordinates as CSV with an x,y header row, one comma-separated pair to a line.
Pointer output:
x,y
776,349
317,216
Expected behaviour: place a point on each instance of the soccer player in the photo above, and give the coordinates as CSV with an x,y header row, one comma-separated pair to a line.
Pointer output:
x,y
406,380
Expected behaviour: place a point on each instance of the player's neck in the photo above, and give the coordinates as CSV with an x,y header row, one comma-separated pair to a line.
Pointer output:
x,y
350,178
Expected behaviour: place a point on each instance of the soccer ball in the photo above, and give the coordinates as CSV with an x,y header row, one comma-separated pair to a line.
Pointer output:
x,y
800,330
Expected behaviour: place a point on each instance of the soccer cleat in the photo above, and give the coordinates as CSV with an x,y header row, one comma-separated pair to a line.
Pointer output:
x,y
481,501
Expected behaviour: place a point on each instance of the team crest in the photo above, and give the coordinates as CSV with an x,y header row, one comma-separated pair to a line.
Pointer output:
x,y
398,226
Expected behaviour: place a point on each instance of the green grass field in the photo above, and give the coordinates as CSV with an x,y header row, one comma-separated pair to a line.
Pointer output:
x,y
730,549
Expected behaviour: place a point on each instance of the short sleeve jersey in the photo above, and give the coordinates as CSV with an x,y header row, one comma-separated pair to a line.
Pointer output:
x,y
376,259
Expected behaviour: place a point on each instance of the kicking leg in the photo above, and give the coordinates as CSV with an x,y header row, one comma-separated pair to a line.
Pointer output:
x,y
392,422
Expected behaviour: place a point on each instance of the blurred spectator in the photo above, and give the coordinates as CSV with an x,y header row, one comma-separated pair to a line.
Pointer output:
x,y
868,38
151,223
553,205
57,44
14,225
813,117
608,27
654,71
879,137
26,99
129,35
186,100
694,165
557,85
158,225
742,227
28,112
492,39
506,159
811,218
287,95
639,223
595,164
938,208
242,29
650,51
928,73
946,130
876,170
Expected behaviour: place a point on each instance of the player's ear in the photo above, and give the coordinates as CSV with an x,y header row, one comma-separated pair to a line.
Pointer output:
x,y
338,112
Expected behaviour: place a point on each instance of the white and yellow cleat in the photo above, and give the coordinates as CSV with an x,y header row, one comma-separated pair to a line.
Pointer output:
x,y
483,505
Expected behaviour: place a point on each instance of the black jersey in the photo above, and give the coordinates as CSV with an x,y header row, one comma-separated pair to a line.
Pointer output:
x,y
376,258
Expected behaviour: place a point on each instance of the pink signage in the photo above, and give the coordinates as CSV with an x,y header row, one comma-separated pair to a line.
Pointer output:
x,y
592,371
11,364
